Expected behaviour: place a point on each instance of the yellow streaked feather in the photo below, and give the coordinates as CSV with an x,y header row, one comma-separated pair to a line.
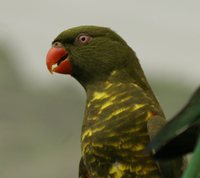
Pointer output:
x,y
104,106
137,106
117,169
98,96
149,115
138,147
89,132
125,99
108,85
113,72
116,112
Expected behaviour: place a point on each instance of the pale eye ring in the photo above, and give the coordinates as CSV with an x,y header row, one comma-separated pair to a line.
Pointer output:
x,y
84,39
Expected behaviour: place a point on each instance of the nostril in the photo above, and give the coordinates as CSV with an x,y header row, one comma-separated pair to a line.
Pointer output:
x,y
57,44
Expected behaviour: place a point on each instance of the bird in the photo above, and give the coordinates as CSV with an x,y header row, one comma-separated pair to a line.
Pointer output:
x,y
180,136
121,114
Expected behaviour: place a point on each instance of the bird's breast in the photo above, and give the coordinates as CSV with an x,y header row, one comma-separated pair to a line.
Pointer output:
x,y
115,129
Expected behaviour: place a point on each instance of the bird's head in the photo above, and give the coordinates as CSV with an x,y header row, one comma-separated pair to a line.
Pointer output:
x,y
88,53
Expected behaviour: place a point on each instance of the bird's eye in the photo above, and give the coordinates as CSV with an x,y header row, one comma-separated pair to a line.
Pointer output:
x,y
84,39
57,44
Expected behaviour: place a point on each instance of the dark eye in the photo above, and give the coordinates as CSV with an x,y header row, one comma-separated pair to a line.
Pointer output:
x,y
84,39
57,44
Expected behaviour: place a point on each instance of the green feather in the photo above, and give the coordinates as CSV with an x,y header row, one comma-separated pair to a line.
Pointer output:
x,y
179,136
122,113
192,170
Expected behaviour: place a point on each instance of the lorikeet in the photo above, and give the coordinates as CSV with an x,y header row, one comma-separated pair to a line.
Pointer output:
x,y
181,135
122,113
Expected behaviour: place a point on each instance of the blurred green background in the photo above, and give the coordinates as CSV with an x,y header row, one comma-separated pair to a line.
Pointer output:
x,y
41,115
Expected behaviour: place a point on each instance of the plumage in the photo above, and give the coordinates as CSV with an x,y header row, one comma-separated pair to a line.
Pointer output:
x,y
180,135
192,170
122,113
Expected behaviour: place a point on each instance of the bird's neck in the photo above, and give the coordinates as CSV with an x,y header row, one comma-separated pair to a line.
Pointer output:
x,y
119,85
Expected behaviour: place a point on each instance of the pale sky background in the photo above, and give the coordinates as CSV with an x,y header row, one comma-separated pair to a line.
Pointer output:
x,y
164,34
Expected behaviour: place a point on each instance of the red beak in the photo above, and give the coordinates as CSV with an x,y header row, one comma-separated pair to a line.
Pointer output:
x,y
57,61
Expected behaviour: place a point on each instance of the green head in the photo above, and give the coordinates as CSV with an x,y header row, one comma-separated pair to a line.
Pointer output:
x,y
90,53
